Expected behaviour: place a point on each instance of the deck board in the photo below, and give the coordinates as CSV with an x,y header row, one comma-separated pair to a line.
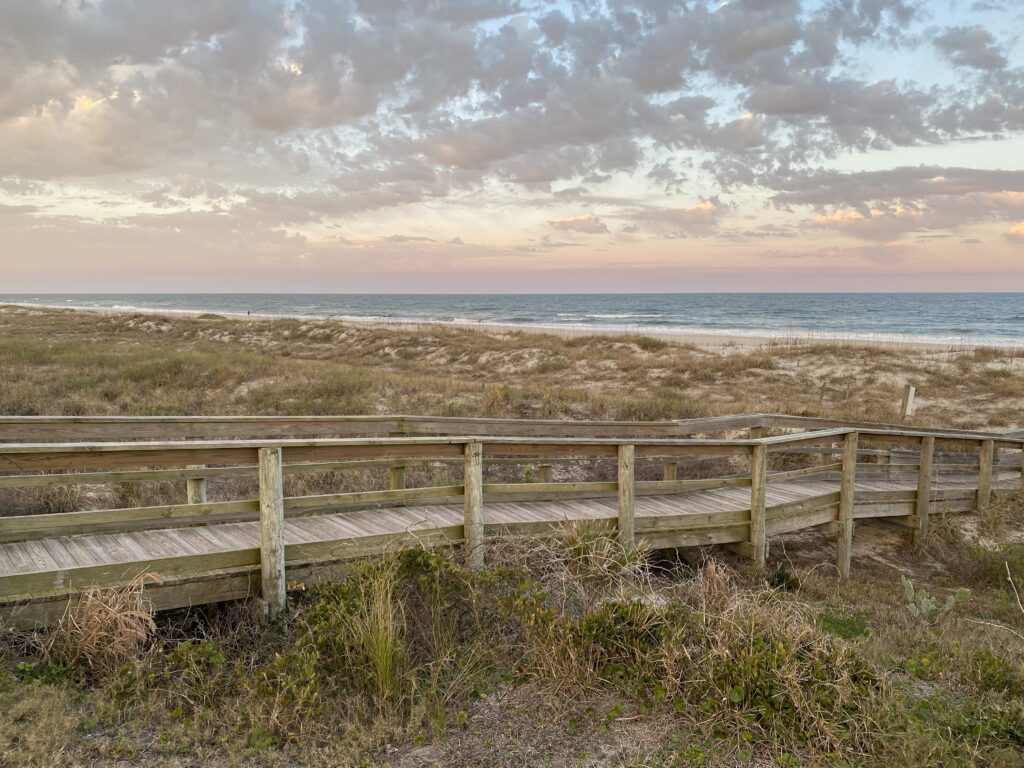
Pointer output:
x,y
81,551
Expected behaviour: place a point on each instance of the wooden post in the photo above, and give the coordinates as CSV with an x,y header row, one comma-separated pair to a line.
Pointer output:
x,y
626,482
758,486
1022,466
756,433
924,490
396,477
670,471
544,473
844,547
473,520
195,487
985,473
272,530
907,406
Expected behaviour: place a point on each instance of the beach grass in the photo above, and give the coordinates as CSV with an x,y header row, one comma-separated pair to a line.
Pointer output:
x,y
565,651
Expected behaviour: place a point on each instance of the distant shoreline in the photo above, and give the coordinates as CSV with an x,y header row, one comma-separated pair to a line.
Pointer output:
x,y
711,341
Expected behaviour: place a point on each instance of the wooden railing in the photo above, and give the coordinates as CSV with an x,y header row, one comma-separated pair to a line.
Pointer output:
x,y
617,459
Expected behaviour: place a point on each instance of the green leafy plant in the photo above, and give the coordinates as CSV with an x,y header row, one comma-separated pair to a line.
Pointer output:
x,y
925,607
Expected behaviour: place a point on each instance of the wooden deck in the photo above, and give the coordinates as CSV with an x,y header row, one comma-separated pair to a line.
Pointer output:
x,y
209,551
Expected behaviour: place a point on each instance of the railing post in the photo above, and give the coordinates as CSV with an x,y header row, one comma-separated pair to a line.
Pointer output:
x,y
473,513
396,474
985,473
1022,466
670,471
545,473
626,483
924,490
758,487
272,530
396,477
844,545
195,487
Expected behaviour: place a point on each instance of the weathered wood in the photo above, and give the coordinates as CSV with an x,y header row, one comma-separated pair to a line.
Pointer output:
x,y
627,492
195,487
547,491
922,508
806,471
473,511
669,472
907,406
987,455
545,473
272,530
396,477
844,546
758,488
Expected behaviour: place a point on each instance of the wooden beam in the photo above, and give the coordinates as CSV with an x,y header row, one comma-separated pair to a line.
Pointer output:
x,y
195,487
922,508
671,468
545,473
473,522
985,473
396,477
844,545
758,486
627,492
272,530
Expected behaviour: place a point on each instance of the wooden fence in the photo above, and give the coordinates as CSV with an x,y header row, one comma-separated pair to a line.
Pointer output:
x,y
46,559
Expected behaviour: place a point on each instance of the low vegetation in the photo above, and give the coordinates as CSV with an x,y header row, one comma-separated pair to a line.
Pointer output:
x,y
567,651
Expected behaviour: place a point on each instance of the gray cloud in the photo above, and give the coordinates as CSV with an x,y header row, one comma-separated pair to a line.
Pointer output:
x,y
971,47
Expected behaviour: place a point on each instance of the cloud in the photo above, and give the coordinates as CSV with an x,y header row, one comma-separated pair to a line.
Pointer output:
x,y
291,118
588,224
971,47
695,221
1016,233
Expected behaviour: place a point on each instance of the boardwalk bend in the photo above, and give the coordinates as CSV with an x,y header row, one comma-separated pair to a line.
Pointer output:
x,y
738,481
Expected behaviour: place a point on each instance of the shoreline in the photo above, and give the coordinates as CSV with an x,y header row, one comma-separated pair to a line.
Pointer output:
x,y
704,340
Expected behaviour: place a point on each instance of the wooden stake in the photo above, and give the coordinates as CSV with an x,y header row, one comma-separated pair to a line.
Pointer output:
x,y
544,473
195,487
987,459
844,546
924,490
272,530
473,520
627,484
758,486
670,471
907,407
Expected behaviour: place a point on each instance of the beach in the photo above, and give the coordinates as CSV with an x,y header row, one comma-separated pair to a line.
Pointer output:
x,y
103,361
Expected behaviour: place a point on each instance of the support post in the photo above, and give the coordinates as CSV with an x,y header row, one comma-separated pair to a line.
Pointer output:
x,y
195,487
473,519
922,508
544,473
985,473
907,406
1022,466
626,483
756,433
670,471
758,486
272,530
844,546
396,477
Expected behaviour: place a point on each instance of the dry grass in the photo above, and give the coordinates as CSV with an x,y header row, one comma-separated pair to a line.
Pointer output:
x,y
78,363
103,628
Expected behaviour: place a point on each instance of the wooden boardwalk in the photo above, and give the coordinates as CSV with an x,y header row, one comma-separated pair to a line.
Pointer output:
x,y
209,551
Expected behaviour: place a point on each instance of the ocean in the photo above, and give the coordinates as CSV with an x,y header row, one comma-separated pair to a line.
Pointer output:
x,y
948,318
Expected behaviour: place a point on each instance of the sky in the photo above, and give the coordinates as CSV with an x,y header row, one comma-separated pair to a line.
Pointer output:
x,y
511,146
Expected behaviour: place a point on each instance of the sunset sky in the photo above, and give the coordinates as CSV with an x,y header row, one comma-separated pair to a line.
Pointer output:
x,y
496,145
